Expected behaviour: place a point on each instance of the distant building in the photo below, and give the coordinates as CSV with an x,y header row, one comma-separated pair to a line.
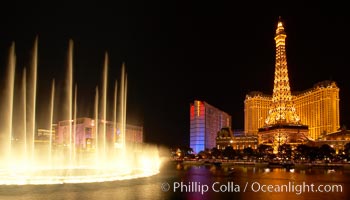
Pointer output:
x,y
205,122
44,135
256,109
244,141
85,132
236,139
134,134
336,140
224,138
318,107
238,132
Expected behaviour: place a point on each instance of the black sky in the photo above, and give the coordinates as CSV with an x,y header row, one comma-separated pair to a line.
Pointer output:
x,y
175,54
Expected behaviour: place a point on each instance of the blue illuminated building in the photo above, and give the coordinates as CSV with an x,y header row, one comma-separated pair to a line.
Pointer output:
x,y
205,122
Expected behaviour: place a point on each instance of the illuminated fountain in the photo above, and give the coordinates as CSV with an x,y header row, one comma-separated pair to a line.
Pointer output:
x,y
25,162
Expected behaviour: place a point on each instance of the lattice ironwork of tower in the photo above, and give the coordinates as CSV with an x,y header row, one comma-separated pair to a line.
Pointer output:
x,y
283,125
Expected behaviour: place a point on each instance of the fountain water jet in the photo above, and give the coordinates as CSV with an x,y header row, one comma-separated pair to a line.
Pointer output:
x,y
51,118
96,127
115,111
66,164
75,123
32,107
70,98
104,105
24,93
122,106
8,105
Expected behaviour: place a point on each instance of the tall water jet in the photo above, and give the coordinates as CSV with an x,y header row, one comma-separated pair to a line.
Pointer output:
x,y
104,104
63,163
122,107
7,110
69,100
32,98
115,112
51,118
125,95
75,122
24,101
96,127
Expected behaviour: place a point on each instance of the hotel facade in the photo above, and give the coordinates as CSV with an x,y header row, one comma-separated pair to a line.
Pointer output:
x,y
317,107
85,132
205,123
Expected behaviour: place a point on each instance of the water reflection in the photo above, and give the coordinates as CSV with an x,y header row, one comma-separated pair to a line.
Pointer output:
x,y
196,178
286,182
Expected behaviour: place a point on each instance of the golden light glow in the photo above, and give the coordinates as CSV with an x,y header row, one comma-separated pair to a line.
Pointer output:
x,y
24,172
282,109
279,139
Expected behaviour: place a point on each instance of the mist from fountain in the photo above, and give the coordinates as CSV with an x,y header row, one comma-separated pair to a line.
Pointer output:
x,y
22,161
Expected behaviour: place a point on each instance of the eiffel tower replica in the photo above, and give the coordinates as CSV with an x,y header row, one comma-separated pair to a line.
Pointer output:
x,y
282,125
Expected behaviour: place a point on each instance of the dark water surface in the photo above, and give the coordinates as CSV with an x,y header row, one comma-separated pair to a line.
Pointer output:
x,y
177,181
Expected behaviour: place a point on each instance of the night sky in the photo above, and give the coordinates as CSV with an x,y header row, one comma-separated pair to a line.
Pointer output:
x,y
174,54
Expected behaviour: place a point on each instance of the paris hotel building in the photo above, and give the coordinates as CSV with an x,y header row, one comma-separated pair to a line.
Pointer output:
x,y
317,107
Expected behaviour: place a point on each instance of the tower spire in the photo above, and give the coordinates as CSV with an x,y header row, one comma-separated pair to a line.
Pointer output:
x,y
282,109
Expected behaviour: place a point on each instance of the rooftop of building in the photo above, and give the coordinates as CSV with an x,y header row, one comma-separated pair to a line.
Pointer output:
x,y
316,86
